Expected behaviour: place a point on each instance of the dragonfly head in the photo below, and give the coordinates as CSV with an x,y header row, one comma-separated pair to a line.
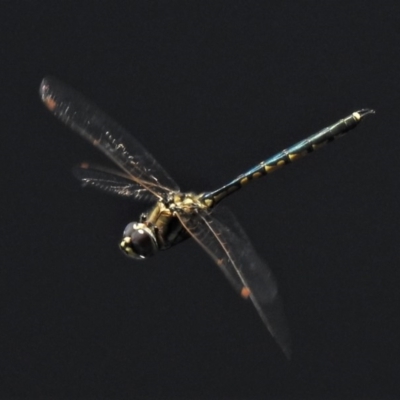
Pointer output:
x,y
138,241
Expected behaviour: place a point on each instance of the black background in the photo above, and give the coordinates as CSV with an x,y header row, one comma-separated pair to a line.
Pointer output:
x,y
210,88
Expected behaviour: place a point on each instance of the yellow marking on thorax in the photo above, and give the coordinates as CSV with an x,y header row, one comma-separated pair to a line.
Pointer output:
x,y
163,219
154,214
177,198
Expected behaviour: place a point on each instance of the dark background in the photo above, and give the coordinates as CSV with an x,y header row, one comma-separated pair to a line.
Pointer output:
x,y
210,88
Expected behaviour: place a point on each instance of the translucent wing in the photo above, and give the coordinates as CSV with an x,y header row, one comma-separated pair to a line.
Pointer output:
x,y
99,129
224,240
110,181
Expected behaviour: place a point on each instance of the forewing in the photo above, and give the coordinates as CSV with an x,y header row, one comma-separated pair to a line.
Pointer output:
x,y
222,237
114,141
110,181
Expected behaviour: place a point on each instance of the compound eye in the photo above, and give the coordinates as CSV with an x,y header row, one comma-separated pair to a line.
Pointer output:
x,y
138,241
142,243
129,229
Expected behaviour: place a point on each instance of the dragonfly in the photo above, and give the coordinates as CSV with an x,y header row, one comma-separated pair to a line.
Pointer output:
x,y
175,216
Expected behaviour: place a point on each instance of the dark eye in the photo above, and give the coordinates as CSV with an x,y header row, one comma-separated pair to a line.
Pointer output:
x,y
142,243
129,229
138,241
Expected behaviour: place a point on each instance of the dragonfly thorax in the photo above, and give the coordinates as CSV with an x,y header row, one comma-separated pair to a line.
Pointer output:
x,y
160,227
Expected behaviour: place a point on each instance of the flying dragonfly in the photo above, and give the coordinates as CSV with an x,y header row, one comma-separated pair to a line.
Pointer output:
x,y
176,216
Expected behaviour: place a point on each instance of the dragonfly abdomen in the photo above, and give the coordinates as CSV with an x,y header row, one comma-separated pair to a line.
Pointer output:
x,y
292,153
